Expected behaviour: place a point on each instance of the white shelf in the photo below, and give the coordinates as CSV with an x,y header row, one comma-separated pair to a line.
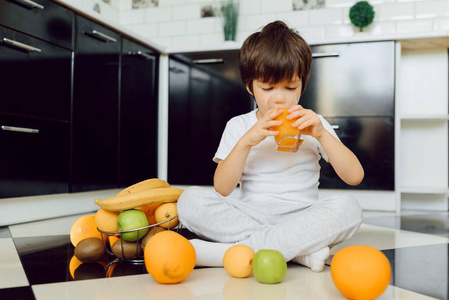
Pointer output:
x,y
424,190
425,117
421,153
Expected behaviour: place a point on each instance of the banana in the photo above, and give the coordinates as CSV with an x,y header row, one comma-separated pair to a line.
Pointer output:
x,y
137,199
153,183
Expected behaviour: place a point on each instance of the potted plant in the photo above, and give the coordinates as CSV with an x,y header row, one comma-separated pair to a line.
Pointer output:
x,y
361,14
230,11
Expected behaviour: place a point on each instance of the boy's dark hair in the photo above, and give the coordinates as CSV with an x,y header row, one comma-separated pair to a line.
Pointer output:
x,y
274,54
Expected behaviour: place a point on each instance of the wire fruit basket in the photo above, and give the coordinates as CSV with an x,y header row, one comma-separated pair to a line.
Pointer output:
x,y
132,252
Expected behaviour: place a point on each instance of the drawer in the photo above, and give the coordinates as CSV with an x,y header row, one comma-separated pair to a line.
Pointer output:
x,y
35,82
40,18
92,38
356,79
34,157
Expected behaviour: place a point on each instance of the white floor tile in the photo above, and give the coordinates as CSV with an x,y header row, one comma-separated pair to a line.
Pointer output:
x,y
209,284
11,271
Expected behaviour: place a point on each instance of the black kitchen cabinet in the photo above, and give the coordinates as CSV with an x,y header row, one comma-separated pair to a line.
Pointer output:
x,y
35,77
355,79
34,115
95,109
78,110
43,19
201,101
353,87
138,114
34,156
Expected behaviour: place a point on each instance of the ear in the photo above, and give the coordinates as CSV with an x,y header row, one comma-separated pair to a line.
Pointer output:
x,y
249,90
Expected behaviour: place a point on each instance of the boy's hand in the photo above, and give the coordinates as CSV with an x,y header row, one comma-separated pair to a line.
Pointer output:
x,y
308,121
262,128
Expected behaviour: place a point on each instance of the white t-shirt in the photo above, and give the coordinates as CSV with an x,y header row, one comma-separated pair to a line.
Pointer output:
x,y
274,182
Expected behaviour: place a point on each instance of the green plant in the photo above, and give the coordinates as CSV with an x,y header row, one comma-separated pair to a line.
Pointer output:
x,y
230,11
361,14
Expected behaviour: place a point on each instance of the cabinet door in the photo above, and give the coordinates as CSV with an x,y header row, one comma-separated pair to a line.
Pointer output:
x,y
44,19
34,157
35,77
200,104
352,80
138,114
95,107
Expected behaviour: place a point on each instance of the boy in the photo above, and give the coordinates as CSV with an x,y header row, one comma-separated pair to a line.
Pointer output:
x,y
278,207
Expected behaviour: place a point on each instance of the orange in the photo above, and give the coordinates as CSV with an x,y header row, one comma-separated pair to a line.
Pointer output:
x,y
164,213
286,128
83,228
106,220
73,265
149,211
360,272
112,239
169,257
237,261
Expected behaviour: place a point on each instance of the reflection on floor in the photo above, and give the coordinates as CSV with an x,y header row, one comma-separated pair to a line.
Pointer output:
x,y
35,264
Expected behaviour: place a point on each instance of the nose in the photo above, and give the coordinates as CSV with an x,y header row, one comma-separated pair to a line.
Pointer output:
x,y
280,99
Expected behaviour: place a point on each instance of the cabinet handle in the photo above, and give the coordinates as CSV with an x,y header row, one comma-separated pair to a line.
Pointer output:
x,y
104,37
21,46
31,4
330,54
19,129
335,127
141,54
207,61
144,55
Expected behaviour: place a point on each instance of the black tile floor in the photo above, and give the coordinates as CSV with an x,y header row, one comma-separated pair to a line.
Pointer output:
x,y
38,266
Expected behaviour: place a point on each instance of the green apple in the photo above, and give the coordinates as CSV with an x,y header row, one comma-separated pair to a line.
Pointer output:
x,y
132,219
269,266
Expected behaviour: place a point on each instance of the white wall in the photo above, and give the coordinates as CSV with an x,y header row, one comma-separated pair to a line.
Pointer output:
x,y
178,23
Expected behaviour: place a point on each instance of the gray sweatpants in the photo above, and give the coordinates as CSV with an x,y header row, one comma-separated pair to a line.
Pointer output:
x,y
216,218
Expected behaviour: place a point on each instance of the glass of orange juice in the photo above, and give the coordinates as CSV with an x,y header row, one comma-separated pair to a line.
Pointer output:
x,y
288,139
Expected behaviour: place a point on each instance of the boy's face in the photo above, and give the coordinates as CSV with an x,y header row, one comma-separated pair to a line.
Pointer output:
x,y
282,94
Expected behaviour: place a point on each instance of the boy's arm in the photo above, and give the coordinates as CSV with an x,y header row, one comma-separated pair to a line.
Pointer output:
x,y
228,172
343,160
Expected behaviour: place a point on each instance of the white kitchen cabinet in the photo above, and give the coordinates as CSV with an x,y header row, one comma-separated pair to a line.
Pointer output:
x,y
422,128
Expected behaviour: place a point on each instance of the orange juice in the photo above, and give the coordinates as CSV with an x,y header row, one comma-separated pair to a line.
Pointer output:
x,y
288,137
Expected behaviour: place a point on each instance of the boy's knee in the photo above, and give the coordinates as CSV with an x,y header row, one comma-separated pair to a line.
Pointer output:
x,y
351,205
191,201
186,201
